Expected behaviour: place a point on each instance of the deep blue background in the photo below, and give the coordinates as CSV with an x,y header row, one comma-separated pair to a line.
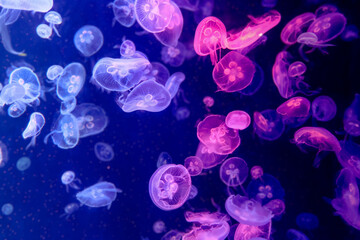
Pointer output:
x,y
138,138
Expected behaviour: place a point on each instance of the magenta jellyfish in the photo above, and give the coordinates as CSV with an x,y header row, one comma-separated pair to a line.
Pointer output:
x,y
194,165
249,232
352,117
319,138
323,108
268,124
217,137
169,186
296,69
256,172
349,156
209,159
233,72
276,206
209,102
234,171
238,119
295,27
295,111
69,180
210,36
159,227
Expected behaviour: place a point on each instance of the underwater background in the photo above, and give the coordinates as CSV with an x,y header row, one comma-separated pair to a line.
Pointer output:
x,y
38,195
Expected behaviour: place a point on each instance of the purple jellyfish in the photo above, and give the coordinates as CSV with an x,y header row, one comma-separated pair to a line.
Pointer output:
x,y
352,117
276,206
234,171
268,124
237,119
159,227
173,55
323,108
256,172
349,156
194,165
295,107
296,69
256,83
249,232
307,221
295,27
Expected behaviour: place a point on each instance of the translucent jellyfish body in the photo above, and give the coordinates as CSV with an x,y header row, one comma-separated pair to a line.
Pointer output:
x,y
247,211
350,33
163,159
69,180
173,83
37,6
7,209
307,221
233,72
349,156
101,194
216,136
209,158
296,69
323,108
237,119
352,117
276,206
70,209
54,71
295,111
104,152
268,124
7,17
124,12
68,105
53,18
88,40
4,155
29,80
194,165
33,129
23,163
256,172
44,31
295,27
234,171
159,227
293,234
71,81
16,109
173,55
127,48
159,72
11,93
169,186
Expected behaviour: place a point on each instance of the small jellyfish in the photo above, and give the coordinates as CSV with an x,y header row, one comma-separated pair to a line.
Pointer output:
x,y
182,113
54,71
69,180
234,171
296,69
4,157
256,172
70,209
307,221
127,49
323,108
23,163
71,81
123,12
310,39
238,119
194,165
173,83
293,234
193,192
159,227
88,40
352,117
173,55
7,209
169,186
16,109
265,189
276,206
268,124
350,33
44,31
209,158
163,159
295,27
209,102
103,151
53,18
33,129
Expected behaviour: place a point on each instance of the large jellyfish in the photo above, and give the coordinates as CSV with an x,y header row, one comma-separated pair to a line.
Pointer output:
x,y
71,81
33,129
29,80
88,40
295,27
37,6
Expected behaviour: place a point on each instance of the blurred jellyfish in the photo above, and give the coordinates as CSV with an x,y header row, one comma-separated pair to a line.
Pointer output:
x,y
307,221
4,157
36,6
103,151
11,93
123,12
293,234
70,209
182,113
238,120
349,156
159,227
194,165
172,235
33,129
29,80
68,105
169,186
174,56
311,40
276,206
54,71
193,192
71,81
69,180
53,18
295,27
256,172
265,189
209,102
268,3
268,124
16,109
44,31
295,111
249,232
163,159
323,108
352,117
173,83
159,72
23,163
350,33
88,40
256,83
7,209
127,49
234,171
209,158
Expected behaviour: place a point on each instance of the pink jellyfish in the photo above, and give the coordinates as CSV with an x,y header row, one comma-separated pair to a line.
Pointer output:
x,y
296,69
219,139
233,72
256,172
295,27
210,36
276,206
249,232
194,165
237,119
206,217
209,159
169,186
352,117
209,102
295,107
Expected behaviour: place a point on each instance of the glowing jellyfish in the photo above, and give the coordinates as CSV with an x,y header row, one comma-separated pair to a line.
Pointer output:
x,y
124,12
159,227
319,138
295,27
127,48
29,80
209,102
352,117
325,9
323,108
181,113
88,40
268,124
256,172
103,151
237,119
69,180
276,206
247,211
71,81
293,234
249,232
194,165
265,189
295,107
33,129
149,96
169,186
53,18
64,132
307,221
173,55
209,158
234,171
296,69
173,83
70,209
7,209
193,192
23,163
164,159
68,105
11,93
256,83
36,6
210,36
216,136
101,194
349,156
350,33
54,71
233,72
16,109
311,40
44,31
4,157
153,16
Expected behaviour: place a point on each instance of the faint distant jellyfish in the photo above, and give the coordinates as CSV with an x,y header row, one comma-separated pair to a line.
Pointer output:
x,y
238,119
16,109
268,124
53,18
7,209
103,151
101,194
163,159
70,209
169,186
268,3
173,83
44,31
323,108
352,117
36,6
233,72
194,165
69,180
276,206
296,69
256,83
29,80
159,72
209,158
295,27
350,33
127,48
307,221
265,189
349,156
234,171
256,172
88,40
71,81
209,102
68,105
4,157
33,129
182,113
193,192
123,12
325,9
54,71
159,227
293,234
174,56
23,163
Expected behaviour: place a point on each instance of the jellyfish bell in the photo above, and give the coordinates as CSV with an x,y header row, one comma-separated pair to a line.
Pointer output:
x,y
209,158
349,156
238,119
53,18
234,171
124,12
296,69
69,179
71,81
295,27
54,71
297,107
323,108
276,206
44,31
88,40
194,165
249,232
29,80
127,48
268,124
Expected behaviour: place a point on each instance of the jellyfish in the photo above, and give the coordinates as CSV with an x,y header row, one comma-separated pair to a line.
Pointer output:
x,y
268,3
295,111
54,71
70,209
101,194
307,221
325,9
159,227
159,72
173,83
210,36
216,136
296,69
153,16
233,72
36,6
69,180
319,138
29,80
193,192
295,27
68,105
209,159
71,81
33,129
173,55
293,234
256,172
16,109
247,211
249,232
163,159
123,12
268,124
350,33
352,117
349,156
4,155
234,171
209,102
44,31
88,40
256,82
53,18
276,206
194,165
237,119
23,163
323,108
127,49
7,208
11,93
181,113
103,151
169,186
265,189
172,235
311,40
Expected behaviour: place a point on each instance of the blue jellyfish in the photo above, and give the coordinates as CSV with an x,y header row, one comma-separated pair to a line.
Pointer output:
x,y
16,109
7,209
127,49
69,180
68,105
256,83
181,113
104,152
307,221
70,209
173,83
54,71
88,40
33,129
29,80
11,93
44,31
36,6
23,163
158,72
71,81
